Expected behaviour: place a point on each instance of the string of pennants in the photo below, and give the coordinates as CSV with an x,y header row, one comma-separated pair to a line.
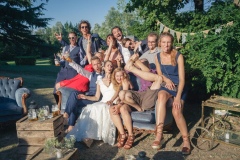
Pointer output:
x,y
164,28
237,2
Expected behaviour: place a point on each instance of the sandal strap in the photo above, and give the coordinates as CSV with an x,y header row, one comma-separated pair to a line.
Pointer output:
x,y
129,142
185,138
121,139
159,128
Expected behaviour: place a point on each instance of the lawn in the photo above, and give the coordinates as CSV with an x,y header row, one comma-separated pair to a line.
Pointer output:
x,y
42,75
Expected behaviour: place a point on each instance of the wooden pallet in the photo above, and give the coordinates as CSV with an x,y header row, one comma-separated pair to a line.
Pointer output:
x,y
69,155
32,134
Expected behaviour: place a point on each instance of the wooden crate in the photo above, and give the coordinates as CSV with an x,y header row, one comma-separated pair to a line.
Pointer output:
x,y
40,155
32,134
36,132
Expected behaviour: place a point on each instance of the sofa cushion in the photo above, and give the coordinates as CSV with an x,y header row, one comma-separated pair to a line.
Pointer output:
x,y
9,108
10,118
143,117
65,94
8,87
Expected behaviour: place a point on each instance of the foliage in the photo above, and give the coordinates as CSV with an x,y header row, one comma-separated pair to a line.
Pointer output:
x,y
52,144
17,20
117,17
25,60
212,61
153,10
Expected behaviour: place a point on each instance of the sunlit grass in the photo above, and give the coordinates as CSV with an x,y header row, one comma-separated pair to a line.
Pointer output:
x,y
42,75
39,62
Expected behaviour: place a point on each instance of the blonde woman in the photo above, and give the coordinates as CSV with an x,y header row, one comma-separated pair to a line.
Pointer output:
x,y
170,65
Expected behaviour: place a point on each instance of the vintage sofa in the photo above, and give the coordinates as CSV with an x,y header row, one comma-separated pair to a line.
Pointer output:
x,y
12,99
142,121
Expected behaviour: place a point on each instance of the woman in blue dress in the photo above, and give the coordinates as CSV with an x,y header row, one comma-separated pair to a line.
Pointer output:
x,y
170,68
170,65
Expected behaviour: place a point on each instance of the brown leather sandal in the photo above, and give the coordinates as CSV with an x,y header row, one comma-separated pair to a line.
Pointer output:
x,y
129,142
158,130
186,150
121,140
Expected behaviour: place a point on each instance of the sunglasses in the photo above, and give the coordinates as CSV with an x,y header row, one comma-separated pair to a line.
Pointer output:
x,y
71,37
84,27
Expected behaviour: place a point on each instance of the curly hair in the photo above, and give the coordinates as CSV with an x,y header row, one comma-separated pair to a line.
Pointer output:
x,y
86,22
117,85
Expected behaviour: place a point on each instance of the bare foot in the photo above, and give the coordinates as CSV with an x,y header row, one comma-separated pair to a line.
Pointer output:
x,y
129,65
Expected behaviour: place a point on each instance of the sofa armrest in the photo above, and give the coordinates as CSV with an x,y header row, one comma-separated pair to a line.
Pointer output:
x,y
63,94
21,95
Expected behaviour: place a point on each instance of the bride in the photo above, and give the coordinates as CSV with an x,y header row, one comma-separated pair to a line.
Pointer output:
x,y
94,121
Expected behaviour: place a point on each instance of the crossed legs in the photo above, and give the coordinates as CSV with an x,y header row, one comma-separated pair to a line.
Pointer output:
x,y
124,110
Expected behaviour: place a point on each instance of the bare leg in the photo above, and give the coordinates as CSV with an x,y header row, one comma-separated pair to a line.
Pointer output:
x,y
127,120
128,99
163,96
181,124
117,121
148,76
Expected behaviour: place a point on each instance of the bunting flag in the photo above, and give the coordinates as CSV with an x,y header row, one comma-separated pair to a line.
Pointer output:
x,y
161,27
178,36
218,30
172,32
166,29
205,33
230,23
236,2
184,36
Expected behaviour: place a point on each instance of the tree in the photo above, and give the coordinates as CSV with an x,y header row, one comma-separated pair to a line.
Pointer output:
x,y
117,17
17,20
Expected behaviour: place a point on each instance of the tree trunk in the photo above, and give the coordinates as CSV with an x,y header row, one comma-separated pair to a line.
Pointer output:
x,y
198,5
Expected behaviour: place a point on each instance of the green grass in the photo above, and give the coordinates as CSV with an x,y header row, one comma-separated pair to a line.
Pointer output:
x,y
42,75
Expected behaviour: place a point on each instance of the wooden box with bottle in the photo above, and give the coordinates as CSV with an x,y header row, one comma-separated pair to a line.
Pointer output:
x,y
32,134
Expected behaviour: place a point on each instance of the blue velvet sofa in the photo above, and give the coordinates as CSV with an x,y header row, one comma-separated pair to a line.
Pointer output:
x,y
12,99
142,121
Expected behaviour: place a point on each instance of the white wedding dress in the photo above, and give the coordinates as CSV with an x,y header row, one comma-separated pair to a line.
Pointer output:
x,y
94,122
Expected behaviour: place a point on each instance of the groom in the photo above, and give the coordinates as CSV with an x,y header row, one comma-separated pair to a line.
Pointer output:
x,y
74,100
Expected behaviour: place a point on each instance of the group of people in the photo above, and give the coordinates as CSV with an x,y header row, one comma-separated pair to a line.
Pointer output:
x,y
107,75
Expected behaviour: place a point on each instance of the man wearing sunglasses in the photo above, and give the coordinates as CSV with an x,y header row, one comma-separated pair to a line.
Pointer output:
x,y
84,28
75,53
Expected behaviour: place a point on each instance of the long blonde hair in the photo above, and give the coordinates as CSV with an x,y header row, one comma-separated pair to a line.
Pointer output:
x,y
117,85
173,51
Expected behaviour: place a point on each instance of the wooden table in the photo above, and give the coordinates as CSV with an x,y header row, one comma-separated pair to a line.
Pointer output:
x,y
40,155
32,134
223,103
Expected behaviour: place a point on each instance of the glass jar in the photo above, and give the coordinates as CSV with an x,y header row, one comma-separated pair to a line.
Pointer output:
x,y
32,111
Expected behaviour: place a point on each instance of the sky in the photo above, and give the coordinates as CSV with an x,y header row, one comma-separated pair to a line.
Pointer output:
x,y
76,10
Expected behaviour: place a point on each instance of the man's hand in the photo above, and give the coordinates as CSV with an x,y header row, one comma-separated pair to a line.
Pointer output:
x,y
58,36
81,96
